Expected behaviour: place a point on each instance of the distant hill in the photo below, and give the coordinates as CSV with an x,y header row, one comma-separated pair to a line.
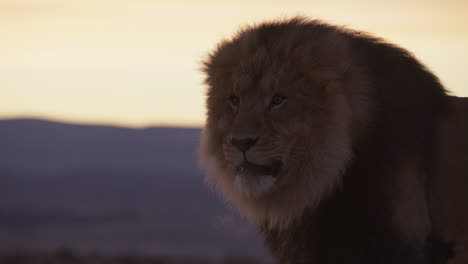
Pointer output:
x,y
112,189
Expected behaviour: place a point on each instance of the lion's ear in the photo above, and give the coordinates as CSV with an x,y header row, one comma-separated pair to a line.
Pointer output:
x,y
329,58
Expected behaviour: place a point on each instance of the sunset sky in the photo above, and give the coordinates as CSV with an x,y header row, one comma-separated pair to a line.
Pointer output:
x,y
136,62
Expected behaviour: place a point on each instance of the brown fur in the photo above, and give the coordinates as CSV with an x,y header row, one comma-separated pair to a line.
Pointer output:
x,y
356,139
449,186
318,145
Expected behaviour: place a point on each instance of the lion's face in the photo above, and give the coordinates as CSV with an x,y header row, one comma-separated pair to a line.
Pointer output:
x,y
277,135
265,125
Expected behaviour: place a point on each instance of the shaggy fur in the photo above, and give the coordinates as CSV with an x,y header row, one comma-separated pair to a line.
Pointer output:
x,y
354,136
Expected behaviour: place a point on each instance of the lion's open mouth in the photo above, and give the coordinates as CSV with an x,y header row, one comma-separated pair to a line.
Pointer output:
x,y
260,170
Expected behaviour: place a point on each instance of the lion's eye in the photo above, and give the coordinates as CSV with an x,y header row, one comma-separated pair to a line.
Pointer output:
x,y
278,100
234,100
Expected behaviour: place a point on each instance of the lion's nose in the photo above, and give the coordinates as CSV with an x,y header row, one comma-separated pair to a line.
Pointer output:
x,y
243,144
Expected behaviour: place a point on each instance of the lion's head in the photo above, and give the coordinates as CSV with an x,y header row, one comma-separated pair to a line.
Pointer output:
x,y
281,117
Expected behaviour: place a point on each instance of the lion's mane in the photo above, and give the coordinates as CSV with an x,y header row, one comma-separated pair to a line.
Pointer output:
x,y
356,139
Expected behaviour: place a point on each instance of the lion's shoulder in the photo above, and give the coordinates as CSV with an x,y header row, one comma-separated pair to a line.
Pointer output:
x,y
449,185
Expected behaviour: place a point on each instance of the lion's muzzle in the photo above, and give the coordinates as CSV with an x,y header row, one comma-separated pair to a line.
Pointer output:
x,y
243,144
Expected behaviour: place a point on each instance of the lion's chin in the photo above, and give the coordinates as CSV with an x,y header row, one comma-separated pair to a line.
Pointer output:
x,y
255,180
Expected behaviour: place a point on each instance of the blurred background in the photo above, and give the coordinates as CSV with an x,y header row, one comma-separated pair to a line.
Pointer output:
x,y
101,109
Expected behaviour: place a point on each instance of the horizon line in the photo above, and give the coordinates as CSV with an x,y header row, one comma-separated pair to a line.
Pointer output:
x,y
109,123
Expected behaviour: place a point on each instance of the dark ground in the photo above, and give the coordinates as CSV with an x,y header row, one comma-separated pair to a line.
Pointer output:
x,y
112,190
68,257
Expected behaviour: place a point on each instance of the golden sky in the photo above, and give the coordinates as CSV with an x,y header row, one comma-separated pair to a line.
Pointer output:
x,y
135,62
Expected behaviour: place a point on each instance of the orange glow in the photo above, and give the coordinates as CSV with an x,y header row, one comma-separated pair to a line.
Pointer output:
x,y
135,63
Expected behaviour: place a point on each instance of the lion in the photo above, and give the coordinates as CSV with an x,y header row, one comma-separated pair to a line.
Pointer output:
x,y
340,146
